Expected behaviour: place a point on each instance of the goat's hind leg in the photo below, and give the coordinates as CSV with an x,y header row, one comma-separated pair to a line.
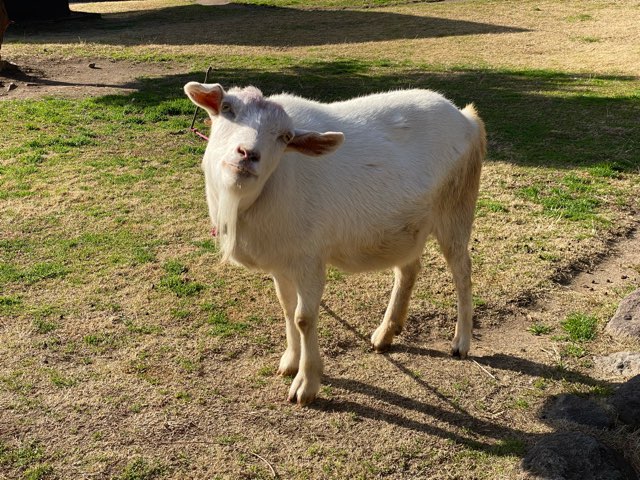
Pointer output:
x,y
396,314
456,253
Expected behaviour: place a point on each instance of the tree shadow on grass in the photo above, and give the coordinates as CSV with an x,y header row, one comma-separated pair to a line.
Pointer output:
x,y
533,118
255,26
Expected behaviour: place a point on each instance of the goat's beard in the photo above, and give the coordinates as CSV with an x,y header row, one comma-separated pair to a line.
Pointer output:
x,y
227,222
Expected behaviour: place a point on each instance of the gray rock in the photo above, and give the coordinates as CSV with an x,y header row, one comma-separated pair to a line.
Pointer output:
x,y
626,322
626,364
578,410
626,401
575,456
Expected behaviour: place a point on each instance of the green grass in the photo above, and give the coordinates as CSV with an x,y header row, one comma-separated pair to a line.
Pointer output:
x,y
580,327
485,206
59,379
221,325
176,281
10,273
141,469
574,350
25,460
10,303
540,329
582,17
520,404
43,326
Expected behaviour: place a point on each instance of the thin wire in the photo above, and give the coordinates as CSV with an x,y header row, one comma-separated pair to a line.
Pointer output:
x,y
195,114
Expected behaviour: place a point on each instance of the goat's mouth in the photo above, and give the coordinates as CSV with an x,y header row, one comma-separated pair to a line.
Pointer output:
x,y
242,169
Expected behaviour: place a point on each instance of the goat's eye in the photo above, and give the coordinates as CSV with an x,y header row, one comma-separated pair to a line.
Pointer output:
x,y
286,137
226,108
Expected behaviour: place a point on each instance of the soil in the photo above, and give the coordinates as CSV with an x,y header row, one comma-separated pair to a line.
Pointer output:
x,y
616,271
38,77
600,282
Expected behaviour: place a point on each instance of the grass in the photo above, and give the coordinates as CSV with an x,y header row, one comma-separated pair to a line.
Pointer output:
x,y
580,327
140,469
540,329
127,351
176,281
25,460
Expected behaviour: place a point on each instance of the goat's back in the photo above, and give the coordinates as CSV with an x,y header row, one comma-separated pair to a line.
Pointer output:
x,y
406,138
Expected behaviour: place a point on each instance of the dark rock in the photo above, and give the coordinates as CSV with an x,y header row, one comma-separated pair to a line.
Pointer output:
x,y
578,410
626,364
575,456
626,401
626,321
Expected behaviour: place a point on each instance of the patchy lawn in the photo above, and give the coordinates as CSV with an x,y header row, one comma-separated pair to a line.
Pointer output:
x,y
128,351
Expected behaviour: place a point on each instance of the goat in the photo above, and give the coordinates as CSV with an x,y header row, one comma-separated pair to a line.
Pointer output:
x,y
401,166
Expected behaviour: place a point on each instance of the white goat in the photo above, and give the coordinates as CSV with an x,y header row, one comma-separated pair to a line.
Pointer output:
x,y
409,168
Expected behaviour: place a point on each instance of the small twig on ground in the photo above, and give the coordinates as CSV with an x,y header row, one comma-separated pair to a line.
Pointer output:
x,y
273,472
484,370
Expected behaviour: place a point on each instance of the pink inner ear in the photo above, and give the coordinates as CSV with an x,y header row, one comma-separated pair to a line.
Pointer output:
x,y
208,100
313,143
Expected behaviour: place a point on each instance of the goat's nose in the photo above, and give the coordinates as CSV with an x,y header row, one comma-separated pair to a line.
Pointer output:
x,y
248,154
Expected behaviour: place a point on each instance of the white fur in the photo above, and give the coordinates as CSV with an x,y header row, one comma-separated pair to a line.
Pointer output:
x,y
369,204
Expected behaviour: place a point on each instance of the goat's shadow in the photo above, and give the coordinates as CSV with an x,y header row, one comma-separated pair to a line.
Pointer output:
x,y
443,417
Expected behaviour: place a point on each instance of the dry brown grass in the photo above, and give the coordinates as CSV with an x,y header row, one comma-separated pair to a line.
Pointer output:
x,y
134,380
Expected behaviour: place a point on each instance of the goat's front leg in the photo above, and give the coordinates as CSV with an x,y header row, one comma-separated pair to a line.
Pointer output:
x,y
306,384
286,291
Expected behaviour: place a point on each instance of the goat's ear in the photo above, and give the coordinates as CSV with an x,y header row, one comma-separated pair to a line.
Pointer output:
x,y
314,143
205,95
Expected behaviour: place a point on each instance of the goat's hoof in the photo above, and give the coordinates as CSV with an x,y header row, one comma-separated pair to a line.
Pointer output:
x,y
288,364
456,352
287,371
460,347
381,348
381,339
303,391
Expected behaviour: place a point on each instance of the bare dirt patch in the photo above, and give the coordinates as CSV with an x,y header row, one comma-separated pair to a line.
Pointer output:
x,y
600,284
41,76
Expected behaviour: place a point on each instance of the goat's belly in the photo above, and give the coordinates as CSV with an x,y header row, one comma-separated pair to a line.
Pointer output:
x,y
389,252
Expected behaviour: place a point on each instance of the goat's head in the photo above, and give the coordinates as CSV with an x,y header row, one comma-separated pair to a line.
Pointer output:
x,y
249,135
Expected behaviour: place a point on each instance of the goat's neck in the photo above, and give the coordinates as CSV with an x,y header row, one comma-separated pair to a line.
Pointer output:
x,y
259,219
232,206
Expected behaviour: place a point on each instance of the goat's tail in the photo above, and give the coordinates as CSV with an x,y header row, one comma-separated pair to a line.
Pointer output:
x,y
478,145
472,114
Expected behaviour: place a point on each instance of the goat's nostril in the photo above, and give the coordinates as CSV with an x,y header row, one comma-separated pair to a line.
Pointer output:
x,y
247,154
